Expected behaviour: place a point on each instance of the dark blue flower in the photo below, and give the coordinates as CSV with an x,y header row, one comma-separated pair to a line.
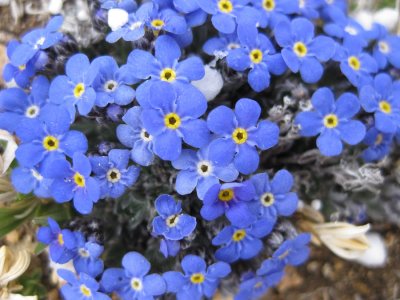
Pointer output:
x,y
37,40
133,282
128,5
220,46
20,74
163,67
83,287
62,242
73,182
226,14
112,83
198,280
383,99
238,134
113,174
230,199
273,198
257,54
171,223
27,180
49,139
198,171
387,48
241,243
301,50
294,251
356,65
167,20
274,11
332,121
88,259
378,145
174,116
169,247
133,135
18,108
75,88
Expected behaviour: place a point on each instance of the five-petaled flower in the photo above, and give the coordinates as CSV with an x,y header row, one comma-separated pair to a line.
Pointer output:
x,y
378,143
87,259
332,121
293,251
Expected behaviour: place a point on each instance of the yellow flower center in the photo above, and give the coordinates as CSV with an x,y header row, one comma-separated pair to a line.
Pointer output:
x,y
239,136
379,139
226,195
383,47
157,23
172,121
50,143
22,67
239,235
85,290
79,90
267,199
256,56
168,74
225,6
354,63
79,179
60,239
331,121
136,284
300,49
113,175
197,278
269,5
385,107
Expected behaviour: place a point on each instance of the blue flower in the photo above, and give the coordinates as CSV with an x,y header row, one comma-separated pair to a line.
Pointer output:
x,y
27,180
18,108
133,135
329,5
356,65
128,5
269,275
174,116
75,88
83,287
20,74
378,145
383,99
226,14
238,134
133,282
301,50
163,67
241,243
88,259
198,280
62,242
134,28
274,11
169,247
49,139
257,54
309,8
387,48
344,27
112,83
221,45
273,198
230,199
73,182
113,174
198,171
171,223
37,40
166,20
194,15
332,121
294,251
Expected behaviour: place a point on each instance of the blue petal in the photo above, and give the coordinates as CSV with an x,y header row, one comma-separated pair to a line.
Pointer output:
x,y
136,264
311,70
75,65
329,143
266,135
192,68
190,103
142,154
250,248
347,105
238,59
224,236
239,215
291,60
323,100
218,270
259,79
167,51
154,285
322,47
143,64
228,254
186,182
193,264
168,145
166,206
195,133
62,191
302,29
384,123
74,141
224,23
175,281
247,159
222,151
221,120
283,34
282,182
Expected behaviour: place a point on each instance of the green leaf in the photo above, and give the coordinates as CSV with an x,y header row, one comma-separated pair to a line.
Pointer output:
x,y
40,247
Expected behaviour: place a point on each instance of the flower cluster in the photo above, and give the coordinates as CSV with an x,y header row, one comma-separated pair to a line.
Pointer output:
x,y
98,130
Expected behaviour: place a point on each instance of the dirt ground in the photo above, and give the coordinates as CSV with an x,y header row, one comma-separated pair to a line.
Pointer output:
x,y
325,276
